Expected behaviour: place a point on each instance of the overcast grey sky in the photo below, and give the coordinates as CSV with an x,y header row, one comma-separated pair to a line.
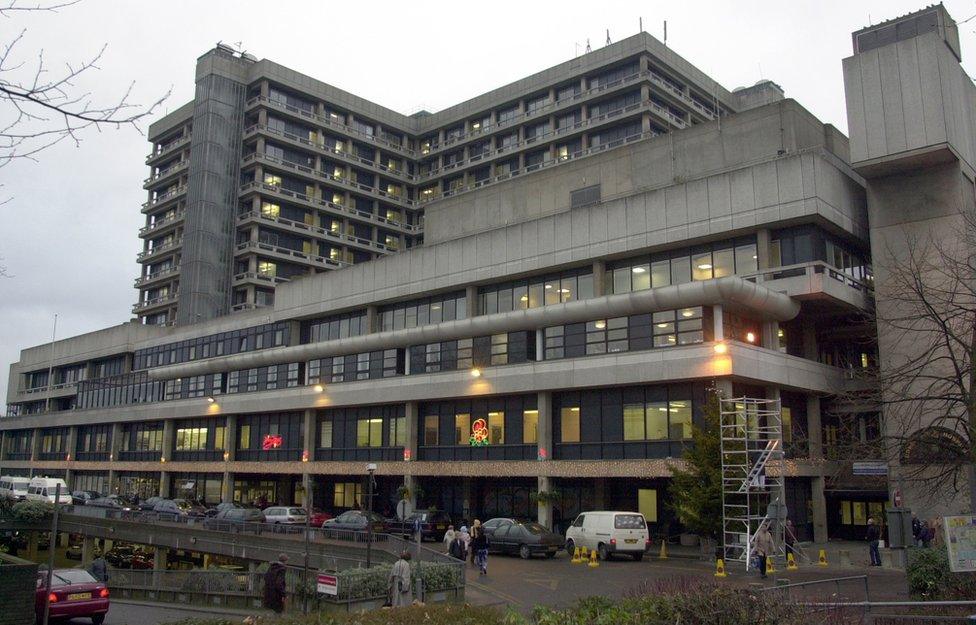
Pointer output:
x,y
68,235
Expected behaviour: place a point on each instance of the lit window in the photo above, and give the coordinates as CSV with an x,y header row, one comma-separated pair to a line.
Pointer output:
x,y
496,428
462,428
530,426
369,432
431,430
569,424
267,269
272,179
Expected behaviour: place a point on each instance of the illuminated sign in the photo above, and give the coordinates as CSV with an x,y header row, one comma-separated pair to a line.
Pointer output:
x,y
407,455
479,433
271,441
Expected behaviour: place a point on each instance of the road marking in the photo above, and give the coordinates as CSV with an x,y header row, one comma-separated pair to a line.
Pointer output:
x,y
545,582
495,592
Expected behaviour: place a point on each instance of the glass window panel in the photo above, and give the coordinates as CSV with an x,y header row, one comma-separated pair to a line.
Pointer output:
x,y
462,429
325,434
431,429
633,422
496,428
775,253
746,259
536,297
641,277
723,263
552,292
680,270
520,297
584,286
567,289
701,266
660,273
490,303
656,421
530,426
569,424
505,300
680,415
621,280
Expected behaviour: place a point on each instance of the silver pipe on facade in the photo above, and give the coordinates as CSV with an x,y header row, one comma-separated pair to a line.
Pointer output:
x,y
731,292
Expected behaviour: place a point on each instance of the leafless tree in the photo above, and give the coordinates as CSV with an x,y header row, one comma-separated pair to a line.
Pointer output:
x,y
924,386
41,105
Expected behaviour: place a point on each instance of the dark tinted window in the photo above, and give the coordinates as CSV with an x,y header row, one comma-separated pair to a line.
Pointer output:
x,y
71,576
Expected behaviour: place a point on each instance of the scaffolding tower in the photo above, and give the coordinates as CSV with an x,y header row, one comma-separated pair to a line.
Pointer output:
x,y
751,436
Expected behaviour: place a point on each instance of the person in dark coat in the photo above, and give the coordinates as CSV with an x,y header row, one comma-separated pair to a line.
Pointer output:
x,y
873,537
99,569
274,585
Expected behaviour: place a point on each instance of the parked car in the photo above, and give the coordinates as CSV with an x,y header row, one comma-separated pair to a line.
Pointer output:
x,y
120,556
525,539
174,509
285,515
82,497
352,521
493,524
44,489
220,507
74,552
433,525
149,504
113,503
318,518
236,520
73,593
141,560
609,533
14,486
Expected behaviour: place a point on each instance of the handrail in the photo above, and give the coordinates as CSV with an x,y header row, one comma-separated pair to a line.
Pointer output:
x,y
168,148
166,172
157,275
165,197
267,247
156,301
159,225
299,225
809,268
166,247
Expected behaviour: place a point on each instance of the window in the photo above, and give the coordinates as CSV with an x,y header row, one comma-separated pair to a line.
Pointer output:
x,y
530,427
347,495
369,432
325,434
191,439
535,292
633,422
245,437
462,428
569,424
431,430
496,428
220,435
398,432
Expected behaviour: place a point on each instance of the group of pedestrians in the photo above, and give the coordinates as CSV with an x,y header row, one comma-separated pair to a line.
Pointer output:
x,y
926,533
464,544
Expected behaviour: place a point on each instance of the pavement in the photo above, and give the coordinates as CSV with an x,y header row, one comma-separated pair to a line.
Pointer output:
x,y
128,613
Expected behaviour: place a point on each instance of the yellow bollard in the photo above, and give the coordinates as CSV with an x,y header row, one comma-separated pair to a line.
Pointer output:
x,y
790,562
720,568
823,558
593,560
769,566
576,557
584,552
664,551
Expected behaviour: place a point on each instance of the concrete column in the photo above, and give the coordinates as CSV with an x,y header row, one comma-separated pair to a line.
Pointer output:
x,y
544,508
308,435
814,428
72,444
87,551
770,335
544,406
3,446
227,487
410,482
412,417
160,558
819,509
306,489
599,278
169,435
372,319
36,445
718,323
471,298
115,444
230,438
112,479
724,387
762,248
810,349
164,484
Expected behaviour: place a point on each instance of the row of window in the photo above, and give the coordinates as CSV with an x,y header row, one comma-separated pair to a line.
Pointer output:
x,y
421,312
234,342
666,328
534,292
678,267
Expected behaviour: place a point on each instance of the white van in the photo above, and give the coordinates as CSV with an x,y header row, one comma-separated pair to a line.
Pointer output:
x,y
14,486
43,489
609,533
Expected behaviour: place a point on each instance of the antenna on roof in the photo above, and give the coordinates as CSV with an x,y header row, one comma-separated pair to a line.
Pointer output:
x,y
608,36
588,48
640,24
665,33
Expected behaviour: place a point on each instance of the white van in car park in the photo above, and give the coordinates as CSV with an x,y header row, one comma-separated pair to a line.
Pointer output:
x,y
609,533
14,486
43,489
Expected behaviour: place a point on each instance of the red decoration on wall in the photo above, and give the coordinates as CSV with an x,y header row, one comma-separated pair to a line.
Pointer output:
x,y
271,441
407,454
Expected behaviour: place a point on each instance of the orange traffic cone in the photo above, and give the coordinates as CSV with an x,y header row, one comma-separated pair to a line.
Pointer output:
x,y
720,568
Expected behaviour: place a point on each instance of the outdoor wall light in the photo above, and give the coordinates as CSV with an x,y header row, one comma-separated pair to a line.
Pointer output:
x,y
751,337
721,348
476,373
226,456
211,400
318,388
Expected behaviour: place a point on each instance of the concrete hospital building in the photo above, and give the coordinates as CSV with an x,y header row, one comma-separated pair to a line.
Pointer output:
x,y
523,292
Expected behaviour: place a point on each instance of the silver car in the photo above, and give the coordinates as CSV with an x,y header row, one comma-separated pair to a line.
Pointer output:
x,y
285,515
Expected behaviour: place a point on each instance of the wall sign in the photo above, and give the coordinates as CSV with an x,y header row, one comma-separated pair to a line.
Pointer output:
x,y
271,441
327,584
960,538
479,433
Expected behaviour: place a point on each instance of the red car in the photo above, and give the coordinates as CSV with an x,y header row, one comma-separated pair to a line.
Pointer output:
x,y
318,518
74,593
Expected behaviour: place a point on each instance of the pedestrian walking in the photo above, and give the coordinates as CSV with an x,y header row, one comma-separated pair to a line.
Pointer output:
x,y
917,528
936,532
472,552
764,547
449,536
458,549
873,537
465,537
479,545
274,585
99,569
401,592
789,537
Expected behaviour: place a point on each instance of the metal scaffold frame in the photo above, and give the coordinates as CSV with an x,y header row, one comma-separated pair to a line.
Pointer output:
x,y
751,436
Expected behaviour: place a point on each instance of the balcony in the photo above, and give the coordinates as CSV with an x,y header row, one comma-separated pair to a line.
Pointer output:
x,y
258,276
156,302
165,174
670,88
160,250
330,123
246,306
165,198
157,276
314,202
162,224
817,280
342,154
285,253
167,150
303,228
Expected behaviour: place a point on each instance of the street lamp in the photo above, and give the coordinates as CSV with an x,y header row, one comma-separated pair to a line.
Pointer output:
x,y
370,469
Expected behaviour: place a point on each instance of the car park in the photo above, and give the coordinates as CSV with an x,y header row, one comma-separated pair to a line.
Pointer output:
x,y
175,509
609,533
82,497
525,539
75,551
433,525
150,503
236,520
73,593
112,503
14,486
318,518
220,507
351,521
285,515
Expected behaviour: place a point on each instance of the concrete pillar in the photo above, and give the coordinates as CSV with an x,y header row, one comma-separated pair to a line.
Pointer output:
x,y
814,428
412,417
410,482
160,558
87,551
471,299
230,438
599,278
36,445
164,484
72,444
810,349
718,323
770,335
819,502
762,248
112,487
169,435
544,508
115,444
724,387
308,436
544,443
227,487
372,319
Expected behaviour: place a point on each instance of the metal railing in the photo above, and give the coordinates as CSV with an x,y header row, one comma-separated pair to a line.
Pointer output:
x,y
161,223
169,148
165,197
284,251
809,269
327,232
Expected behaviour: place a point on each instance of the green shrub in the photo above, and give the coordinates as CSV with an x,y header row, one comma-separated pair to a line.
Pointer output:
x,y
374,582
31,511
930,579
6,505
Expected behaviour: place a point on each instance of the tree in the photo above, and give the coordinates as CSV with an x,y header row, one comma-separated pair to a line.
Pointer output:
x,y
696,487
41,106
